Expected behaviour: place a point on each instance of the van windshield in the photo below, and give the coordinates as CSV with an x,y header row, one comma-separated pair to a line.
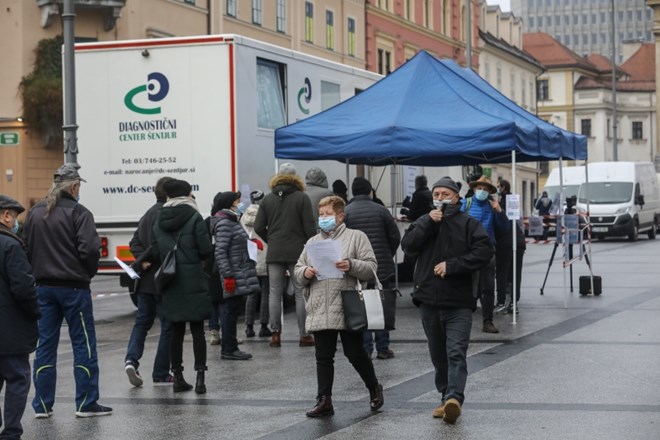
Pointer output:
x,y
606,192
569,190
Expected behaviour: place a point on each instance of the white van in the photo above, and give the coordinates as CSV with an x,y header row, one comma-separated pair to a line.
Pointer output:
x,y
572,178
624,199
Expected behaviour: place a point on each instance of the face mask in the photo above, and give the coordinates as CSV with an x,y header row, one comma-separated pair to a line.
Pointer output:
x,y
15,228
78,198
327,224
481,194
437,204
240,208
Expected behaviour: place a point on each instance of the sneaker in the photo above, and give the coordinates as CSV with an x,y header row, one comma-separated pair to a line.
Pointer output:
x,y
509,310
452,409
489,327
238,355
94,410
215,338
169,380
500,309
133,374
385,354
249,331
264,331
43,415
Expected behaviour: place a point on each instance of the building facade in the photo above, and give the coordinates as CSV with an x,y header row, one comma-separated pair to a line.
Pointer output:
x,y
585,26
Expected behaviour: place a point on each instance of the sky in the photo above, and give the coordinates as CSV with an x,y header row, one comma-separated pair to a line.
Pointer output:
x,y
505,5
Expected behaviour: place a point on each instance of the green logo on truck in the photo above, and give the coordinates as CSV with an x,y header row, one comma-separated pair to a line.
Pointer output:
x,y
157,88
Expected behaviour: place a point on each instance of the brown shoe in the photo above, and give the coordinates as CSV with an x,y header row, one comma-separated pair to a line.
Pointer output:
x,y
452,411
439,412
322,408
275,339
489,327
307,341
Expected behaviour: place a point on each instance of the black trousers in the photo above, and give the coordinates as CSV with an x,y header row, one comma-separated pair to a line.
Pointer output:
x,y
15,372
199,344
326,346
503,257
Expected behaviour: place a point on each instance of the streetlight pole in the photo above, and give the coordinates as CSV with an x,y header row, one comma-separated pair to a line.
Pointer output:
x,y
70,127
468,33
615,153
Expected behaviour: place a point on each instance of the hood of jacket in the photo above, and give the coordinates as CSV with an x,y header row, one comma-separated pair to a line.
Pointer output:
x,y
172,218
250,215
316,177
283,184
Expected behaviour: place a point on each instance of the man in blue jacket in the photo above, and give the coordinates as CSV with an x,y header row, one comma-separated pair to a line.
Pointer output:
x,y
19,313
450,247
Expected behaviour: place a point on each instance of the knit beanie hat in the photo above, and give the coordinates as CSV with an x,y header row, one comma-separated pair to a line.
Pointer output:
x,y
256,196
177,188
446,182
287,168
361,186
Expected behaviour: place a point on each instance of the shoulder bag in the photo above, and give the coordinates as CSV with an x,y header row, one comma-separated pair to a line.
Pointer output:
x,y
167,270
369,309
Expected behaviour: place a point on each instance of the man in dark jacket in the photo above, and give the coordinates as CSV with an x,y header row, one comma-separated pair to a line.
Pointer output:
x,y
421,202
64,249
451,248
377,222
285,221
149,305
19,313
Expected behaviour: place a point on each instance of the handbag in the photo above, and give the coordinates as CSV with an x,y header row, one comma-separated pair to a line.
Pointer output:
x,y
167,270
369,309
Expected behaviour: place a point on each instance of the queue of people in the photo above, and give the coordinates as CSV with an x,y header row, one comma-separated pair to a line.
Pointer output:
x,y
459,246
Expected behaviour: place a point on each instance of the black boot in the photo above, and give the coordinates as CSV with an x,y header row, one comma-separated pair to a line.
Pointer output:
x,y
180,383
322,408
264,331
249,331
376,398
200,387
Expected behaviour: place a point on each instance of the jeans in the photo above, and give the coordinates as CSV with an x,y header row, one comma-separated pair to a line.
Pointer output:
x,y
277,280
214,320
487,290
448,334
199,345
326,346
15,372
74,305
231,308
382,340
262,299
150,306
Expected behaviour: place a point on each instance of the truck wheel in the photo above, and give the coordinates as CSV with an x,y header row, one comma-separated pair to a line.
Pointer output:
x,y
652,232
634,235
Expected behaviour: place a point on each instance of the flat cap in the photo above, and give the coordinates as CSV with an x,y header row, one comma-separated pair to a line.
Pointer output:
x,y
7,202
67,172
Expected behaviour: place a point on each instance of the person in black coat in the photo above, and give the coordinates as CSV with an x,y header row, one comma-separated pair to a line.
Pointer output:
x,y
149,304
19,313
377,223
422,201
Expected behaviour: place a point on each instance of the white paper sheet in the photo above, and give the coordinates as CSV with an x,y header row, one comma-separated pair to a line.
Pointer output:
x,y
324,256
253,250
128,269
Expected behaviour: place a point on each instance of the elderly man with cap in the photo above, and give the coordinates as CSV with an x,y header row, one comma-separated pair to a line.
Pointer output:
x,y
19,313
64,248
484,207
450,247
285,221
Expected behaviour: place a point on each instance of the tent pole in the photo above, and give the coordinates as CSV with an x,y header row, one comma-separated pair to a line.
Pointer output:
x,y
515,243
589,258
348,176
564,236
393,182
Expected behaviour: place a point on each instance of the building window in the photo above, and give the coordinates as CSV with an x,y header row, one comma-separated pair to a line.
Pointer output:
x,y
446,16
231,8
351,37
309,22
408,10
542,90
329,29
531,22
428,10
523,97
609,129
257,11
499,78
513,87
384,61
637,130
190,2
586,127
271,112
281,16
487,72
330,95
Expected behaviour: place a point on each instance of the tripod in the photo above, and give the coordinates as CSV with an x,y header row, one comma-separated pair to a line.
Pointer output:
x,y
570,257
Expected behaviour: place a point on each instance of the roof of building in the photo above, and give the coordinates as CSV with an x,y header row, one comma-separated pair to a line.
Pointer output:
x,y
585,83
604,64
551,53
641,65
503,45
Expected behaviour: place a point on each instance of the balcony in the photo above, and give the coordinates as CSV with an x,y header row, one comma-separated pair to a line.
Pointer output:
x,y
111,10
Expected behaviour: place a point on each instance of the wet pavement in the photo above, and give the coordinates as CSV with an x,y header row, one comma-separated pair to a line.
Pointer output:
x,y
585,371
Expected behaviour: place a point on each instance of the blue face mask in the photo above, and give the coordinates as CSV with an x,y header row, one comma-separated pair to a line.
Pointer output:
x,y
15,228
327,224
240,208
481,194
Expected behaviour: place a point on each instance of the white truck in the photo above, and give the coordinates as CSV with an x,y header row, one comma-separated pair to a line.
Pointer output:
x,y
203,109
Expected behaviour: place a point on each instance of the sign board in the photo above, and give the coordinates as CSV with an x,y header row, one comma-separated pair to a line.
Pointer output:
x,y
572,225
535,226
513,206
409,174
9,138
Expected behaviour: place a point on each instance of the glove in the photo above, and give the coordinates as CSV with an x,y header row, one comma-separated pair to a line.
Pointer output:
x,y
259,243
230,285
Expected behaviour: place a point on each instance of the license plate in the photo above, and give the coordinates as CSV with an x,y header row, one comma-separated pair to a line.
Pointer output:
x,y
599,229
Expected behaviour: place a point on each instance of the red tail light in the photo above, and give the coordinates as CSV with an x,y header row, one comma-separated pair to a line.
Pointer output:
x,y
104,246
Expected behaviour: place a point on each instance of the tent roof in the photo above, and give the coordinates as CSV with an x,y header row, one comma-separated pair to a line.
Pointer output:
x,y
427,112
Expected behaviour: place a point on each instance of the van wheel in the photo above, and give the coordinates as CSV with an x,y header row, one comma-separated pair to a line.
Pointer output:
x,y
652,232
634,235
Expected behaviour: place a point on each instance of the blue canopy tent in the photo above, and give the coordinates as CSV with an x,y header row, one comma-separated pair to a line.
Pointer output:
x,y
428,112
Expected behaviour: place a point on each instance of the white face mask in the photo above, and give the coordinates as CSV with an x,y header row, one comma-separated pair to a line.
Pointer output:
x,y
16,226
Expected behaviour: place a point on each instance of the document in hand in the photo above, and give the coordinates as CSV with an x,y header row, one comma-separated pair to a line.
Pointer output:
x,y
324,256
128,269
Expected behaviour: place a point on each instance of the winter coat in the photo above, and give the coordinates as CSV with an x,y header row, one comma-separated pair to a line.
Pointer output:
x,y
64,248
140,243
186,297
376,221
543,205
421,203
231,254
317,188
247,220
285,220
491,221
323,303
210,265
19,310
461,242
